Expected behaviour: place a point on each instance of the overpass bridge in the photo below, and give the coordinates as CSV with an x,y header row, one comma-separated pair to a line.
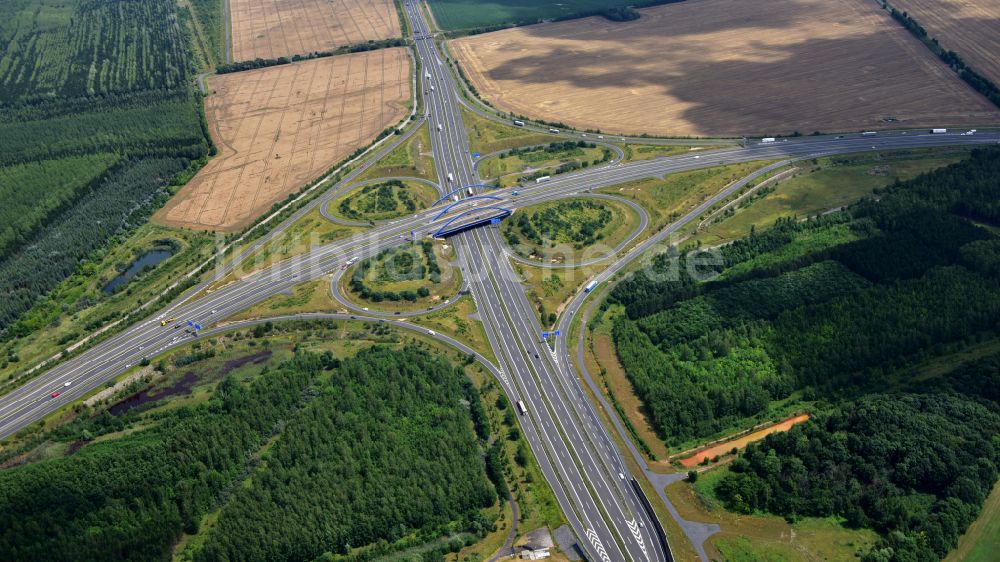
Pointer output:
x,y
467,214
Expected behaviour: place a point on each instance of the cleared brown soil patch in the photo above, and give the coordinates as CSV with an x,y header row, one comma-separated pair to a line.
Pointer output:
x,y
725,447
971,28
711,67
281,28
279,128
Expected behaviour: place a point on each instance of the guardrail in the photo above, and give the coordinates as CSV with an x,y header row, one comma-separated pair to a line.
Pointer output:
x,y
660,534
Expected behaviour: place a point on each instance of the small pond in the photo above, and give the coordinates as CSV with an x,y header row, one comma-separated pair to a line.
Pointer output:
x,y
149,259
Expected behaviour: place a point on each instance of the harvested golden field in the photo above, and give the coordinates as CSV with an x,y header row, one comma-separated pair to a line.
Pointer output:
x,y
280,127
721,67
281,28
971,28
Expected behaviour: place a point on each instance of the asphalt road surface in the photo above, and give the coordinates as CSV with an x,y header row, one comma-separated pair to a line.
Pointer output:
x,y
577,455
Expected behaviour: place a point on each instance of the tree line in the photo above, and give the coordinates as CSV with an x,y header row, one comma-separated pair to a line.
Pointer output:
x,y
977,81
258,62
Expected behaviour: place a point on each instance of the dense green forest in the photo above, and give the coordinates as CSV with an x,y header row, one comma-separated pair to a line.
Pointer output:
x,y
914,280
386,448
914,466
73,48
316,456
97,116
33,190
841,310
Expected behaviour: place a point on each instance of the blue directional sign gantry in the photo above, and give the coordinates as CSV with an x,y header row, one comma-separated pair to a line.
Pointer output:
x,y
190,323
197,327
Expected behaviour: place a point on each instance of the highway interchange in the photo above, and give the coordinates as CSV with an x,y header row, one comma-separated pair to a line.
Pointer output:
x,y
577,455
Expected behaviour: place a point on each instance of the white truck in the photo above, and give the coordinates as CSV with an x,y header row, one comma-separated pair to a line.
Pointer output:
x,y
468,191
554,131
440,127
938,131
869,133
519,123
767,140
451,177
543,179
522,408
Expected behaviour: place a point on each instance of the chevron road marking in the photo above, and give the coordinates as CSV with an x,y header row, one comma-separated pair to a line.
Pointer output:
x,y
596,541
634,527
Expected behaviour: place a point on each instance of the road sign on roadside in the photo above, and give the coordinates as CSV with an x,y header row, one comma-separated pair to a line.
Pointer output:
x,y
190,323
545,335
197,326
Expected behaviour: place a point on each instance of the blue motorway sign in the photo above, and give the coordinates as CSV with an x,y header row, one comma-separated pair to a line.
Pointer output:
x,y
190,323
545,334
475,155
495,220
197,326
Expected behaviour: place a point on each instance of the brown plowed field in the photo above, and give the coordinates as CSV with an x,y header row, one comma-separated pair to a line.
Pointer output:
x,y
711,67
281,28
280,127
971,28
